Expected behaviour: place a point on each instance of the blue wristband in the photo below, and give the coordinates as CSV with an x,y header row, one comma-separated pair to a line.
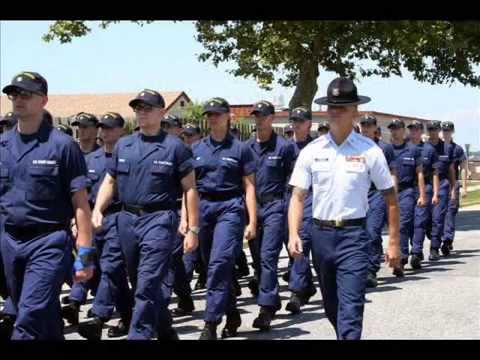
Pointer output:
x,y
85,258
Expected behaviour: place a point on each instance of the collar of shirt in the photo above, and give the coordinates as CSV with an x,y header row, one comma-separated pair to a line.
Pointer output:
x,y
268,145
350,139
210,142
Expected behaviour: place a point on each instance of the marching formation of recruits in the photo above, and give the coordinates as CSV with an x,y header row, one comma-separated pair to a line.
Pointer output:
x,y
129,220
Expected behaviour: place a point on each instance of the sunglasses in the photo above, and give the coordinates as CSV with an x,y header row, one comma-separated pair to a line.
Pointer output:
x,y
22,94
144,108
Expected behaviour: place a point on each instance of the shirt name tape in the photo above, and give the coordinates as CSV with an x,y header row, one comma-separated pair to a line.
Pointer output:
x,y
229,159
44,162
158,162
355,159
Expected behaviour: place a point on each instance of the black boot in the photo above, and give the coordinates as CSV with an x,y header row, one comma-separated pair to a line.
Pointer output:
x,y
415,262
232,324
398,271
65,300
308,293
209,332
264,318
168,334
253,286
372,280
91,330
6,327
294,304
185,307
200,284
236,286
434,256
70,312
286,276
120,330
445,249
89,314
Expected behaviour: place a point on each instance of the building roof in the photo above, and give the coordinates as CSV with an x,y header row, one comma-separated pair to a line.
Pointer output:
x,y
243,111
98,104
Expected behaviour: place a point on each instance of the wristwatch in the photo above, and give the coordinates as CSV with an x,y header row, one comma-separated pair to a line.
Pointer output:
x,y
194,229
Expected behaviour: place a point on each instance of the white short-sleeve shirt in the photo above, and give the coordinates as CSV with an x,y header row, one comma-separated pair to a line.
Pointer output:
x,y
341,176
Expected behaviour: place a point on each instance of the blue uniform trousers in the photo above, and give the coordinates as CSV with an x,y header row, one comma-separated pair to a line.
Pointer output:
x,y
376,219
449,227
422,221
147,243
265,250
406,199
340,258
301,274
439,213
35,271
113,289
221,233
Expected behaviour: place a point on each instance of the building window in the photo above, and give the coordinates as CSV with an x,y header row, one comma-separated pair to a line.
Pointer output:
x,y
182,103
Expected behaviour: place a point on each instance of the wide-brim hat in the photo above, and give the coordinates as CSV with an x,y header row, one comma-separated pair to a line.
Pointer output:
x,y
342,92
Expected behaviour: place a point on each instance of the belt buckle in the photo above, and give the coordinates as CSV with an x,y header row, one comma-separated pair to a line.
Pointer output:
x,y
339,223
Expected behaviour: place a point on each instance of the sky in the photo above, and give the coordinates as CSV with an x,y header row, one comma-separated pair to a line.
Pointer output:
x,y
163,56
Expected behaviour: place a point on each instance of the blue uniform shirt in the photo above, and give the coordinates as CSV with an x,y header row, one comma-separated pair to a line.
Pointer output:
x,y
445,158
97,163
429,158
307,204
148,169
389,156
458,157
406,159
39,173
275,160
219,167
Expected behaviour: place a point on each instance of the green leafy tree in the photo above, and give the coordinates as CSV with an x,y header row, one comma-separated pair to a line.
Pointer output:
x,y
292,53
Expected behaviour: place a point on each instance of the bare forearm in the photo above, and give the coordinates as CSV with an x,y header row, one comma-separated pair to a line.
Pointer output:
x,y
436,184
464,175
82,219
451,177
251,203
421,184
393,216
191,208
295,211
105,193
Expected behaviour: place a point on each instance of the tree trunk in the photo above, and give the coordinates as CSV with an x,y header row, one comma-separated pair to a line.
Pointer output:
x,y
306,87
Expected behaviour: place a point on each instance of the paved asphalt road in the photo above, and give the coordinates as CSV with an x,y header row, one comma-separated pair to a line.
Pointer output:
x,y
440,301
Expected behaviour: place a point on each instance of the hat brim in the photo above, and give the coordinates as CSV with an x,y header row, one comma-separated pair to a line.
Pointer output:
x,y
87,123
298,118
254,112
135,102
215,111
9,88
394,127
324,101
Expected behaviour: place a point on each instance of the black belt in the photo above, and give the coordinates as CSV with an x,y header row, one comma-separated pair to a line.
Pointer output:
x,y
147,209
219,196
269,197
112,209
339,223
32,231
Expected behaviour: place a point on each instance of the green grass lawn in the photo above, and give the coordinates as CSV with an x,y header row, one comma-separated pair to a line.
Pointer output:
x,y
473,198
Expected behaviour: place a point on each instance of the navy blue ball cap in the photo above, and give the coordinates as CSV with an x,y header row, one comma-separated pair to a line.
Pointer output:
x,y
85,119
149,97
415,124
300,113
323,125
65,129
172,120
10,119
29,81
396,124
263,108
191,129
216,105
288,129
434,125
448,126
111,120
342,92
368,120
